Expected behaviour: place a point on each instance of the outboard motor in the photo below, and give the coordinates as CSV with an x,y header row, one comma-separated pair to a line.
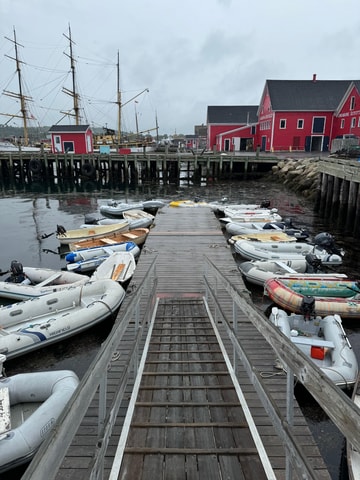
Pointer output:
x,y
327,241
274,226
288,223
313,263
308,307
60,230
324,240
90,219
17,272
265,204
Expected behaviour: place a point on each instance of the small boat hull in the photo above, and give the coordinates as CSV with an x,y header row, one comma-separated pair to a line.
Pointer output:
x,y
284,250
258,271
332,295
40,281
42,321
234,228
324,341
264,236
117,209
93,252
36,400
92,231
138,236
119,266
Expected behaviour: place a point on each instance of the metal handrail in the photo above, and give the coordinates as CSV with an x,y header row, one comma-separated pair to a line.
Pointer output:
x,y
51,453
341,410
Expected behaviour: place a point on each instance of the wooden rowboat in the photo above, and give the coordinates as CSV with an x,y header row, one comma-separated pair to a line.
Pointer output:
x,y
138,236
119,266
263,236
66,237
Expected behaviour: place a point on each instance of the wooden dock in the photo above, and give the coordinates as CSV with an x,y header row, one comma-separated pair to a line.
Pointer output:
x,y
187,415
24,167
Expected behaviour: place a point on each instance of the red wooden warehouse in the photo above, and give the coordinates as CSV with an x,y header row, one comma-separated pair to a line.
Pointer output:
x,y
306,115
231,128
293,115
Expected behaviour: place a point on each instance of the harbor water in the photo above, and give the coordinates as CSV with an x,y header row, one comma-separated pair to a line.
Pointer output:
x,y
28,222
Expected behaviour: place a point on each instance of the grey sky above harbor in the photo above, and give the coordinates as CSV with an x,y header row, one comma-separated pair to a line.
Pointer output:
x,y
189,54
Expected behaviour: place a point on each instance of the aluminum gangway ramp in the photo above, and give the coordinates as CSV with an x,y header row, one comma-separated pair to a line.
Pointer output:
x,y
187,417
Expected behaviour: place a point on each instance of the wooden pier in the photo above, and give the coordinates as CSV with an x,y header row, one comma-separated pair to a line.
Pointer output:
x,y
190,409
132,168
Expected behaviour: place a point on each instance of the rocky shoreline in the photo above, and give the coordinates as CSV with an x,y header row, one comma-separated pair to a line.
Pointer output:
x,y
299,175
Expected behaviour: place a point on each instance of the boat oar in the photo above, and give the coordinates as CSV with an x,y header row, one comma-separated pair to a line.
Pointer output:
x,y
47,250
47,235
72,266
4,273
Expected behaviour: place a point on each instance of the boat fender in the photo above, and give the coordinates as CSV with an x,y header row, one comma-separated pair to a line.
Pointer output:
x,y
35,165
88,170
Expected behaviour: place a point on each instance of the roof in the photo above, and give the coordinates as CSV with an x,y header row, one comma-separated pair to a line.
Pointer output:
x,y
307,95
69,128
236,115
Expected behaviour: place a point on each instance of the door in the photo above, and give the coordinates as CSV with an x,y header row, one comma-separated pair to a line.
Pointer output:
x,y
263,144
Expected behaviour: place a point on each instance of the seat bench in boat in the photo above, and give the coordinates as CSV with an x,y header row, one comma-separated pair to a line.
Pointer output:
x,y
311,341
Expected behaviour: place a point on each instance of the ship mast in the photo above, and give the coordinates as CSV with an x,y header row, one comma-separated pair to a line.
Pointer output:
x,y
23,98
73,93
118,100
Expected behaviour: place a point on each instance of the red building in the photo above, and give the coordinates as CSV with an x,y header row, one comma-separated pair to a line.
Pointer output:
x,y
76,139
293,115
307,115
231,128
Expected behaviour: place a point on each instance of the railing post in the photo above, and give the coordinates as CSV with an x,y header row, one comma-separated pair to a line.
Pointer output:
x,y
235,328
289,414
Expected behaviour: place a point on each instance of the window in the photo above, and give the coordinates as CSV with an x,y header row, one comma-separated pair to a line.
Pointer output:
x,y
69,147
282,123
353,122
342,124
300,123
318,125
359,122
352,103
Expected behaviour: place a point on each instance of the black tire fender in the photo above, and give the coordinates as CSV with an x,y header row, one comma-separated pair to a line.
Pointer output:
x,y
87,169
35,165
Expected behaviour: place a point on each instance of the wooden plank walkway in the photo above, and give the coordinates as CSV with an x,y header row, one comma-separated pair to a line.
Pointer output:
x,y
188,421
204,410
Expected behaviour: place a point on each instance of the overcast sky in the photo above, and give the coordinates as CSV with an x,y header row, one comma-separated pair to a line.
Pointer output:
x,y
188,53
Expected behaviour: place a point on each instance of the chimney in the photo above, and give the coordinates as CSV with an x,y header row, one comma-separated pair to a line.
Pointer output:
x,y
314,77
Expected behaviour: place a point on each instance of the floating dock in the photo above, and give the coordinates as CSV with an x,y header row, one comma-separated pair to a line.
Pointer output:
x,y
190,411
